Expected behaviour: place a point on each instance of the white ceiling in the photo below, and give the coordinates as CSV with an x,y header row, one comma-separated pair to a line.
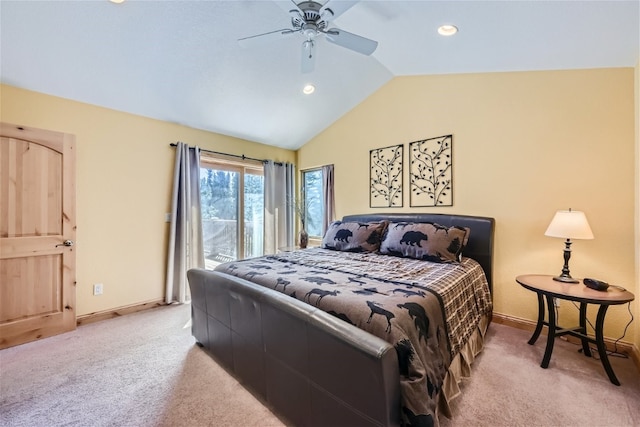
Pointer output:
x,y
179,61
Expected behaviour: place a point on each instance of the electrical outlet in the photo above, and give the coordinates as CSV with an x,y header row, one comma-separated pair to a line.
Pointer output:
x,y
556,302
97,289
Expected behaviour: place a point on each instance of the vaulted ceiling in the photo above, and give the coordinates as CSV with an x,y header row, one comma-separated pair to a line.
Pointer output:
x,y
180,61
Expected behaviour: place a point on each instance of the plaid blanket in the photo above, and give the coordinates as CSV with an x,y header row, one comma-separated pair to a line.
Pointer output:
x,y
426,310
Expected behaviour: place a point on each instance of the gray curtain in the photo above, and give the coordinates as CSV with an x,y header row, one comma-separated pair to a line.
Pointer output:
x,y
279,218
328,197
185,235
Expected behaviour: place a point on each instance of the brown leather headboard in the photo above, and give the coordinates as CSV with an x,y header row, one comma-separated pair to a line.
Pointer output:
x,y
479,247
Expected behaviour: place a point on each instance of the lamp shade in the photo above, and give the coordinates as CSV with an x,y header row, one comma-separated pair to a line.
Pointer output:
x,y
569,225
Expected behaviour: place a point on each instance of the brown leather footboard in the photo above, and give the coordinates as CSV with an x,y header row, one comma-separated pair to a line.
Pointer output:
x,y
310,367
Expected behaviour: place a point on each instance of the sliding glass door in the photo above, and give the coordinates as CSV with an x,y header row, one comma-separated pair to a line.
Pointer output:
x,y
253,209
232,196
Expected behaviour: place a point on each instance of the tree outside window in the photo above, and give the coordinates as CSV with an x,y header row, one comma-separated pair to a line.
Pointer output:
x,y
313,201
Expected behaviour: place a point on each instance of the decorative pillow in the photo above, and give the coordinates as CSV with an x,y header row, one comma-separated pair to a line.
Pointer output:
x,y
354,236
428,241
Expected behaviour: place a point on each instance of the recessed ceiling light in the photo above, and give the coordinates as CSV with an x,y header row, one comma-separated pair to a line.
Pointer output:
x,y
117,1
308,89
447,30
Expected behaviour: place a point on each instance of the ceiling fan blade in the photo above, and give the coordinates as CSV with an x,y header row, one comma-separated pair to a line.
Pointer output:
x,y
337,8
308,56
264,37
351,41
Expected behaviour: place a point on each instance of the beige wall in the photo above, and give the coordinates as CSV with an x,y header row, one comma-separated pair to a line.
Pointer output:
x,y
524,145
124,173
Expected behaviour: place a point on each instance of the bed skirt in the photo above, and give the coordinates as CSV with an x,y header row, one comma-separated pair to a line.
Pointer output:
x,y
460,367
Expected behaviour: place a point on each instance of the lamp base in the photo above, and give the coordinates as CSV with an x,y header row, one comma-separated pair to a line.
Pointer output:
x,y
566,279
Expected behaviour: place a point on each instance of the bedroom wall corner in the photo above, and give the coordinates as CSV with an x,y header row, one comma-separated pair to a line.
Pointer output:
x,y
124,173
637,202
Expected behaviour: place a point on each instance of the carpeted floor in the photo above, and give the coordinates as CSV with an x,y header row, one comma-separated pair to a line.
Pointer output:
x,y
509,388
141,369
144,370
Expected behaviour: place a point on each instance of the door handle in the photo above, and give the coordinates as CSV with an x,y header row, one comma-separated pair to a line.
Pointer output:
x,y
65,243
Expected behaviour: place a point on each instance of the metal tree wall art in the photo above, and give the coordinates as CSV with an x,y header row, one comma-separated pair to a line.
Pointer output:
x,y
430,168
386,177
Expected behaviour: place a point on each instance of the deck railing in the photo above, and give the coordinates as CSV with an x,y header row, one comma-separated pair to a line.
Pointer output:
x,y
220,239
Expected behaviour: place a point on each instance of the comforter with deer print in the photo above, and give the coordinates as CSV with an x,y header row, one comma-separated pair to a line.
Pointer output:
x,y
426,310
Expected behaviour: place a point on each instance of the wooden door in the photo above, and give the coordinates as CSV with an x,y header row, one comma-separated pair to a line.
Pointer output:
x,y
37,232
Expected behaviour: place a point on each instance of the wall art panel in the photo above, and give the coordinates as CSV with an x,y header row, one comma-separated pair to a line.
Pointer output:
x,y
430,172
386,177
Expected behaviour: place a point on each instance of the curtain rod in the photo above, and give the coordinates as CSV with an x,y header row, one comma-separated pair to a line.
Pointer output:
x,y
242,156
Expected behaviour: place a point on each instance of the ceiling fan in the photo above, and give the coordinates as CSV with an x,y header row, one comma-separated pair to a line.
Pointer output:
x,y
311,20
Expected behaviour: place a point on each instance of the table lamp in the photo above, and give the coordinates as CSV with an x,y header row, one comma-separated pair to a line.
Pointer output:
x,y
568,225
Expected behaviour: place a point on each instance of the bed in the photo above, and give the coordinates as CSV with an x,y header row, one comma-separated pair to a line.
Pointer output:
x,y
376,327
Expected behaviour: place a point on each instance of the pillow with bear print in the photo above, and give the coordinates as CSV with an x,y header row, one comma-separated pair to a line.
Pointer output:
x,y
427,241
354,236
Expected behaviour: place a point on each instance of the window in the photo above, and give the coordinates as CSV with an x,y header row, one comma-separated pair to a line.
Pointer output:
x,y
313,201
230,190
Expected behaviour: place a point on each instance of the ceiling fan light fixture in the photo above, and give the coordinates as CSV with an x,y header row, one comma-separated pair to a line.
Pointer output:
x,y
308,89
447,30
